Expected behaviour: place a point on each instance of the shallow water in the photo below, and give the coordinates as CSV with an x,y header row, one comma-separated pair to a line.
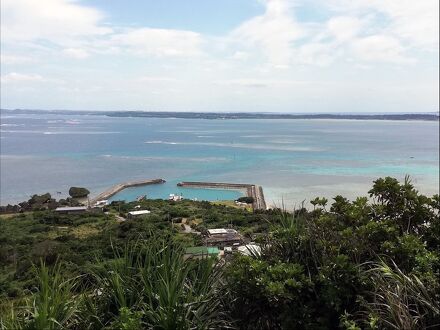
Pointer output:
x,y
162,191
294,160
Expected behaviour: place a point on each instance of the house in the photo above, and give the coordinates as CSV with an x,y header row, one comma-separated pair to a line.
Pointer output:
x,y
200,252
134,214
220,231
175,197
222,237
71,209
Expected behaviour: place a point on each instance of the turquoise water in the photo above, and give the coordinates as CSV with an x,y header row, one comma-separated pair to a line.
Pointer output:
x,y
294,160
162,191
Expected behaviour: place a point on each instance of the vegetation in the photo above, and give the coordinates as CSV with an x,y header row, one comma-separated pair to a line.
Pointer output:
x,y
231,115
246,199
78,192
371,263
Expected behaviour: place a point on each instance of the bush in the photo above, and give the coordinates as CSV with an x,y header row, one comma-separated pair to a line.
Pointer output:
x,y
78,192
247,200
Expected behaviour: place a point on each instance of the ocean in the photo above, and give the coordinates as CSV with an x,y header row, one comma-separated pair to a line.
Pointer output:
x,y
294,160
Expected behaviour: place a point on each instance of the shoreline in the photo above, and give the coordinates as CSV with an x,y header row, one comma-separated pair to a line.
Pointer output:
x,y
252,190
106,194
430,116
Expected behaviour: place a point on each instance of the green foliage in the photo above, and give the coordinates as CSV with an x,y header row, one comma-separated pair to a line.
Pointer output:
x,y
367,263
246,199
52,306
78,192
159,288
400,226
400,301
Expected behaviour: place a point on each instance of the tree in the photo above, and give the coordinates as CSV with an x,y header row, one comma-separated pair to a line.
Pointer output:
x,y
78,192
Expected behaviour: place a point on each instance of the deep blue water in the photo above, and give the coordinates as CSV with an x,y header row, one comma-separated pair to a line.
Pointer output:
x,y
293,160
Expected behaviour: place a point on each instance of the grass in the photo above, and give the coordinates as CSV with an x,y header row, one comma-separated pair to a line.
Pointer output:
x,y
84,231
232,204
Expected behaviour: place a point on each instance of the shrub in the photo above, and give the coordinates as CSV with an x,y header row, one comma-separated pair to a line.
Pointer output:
x,y
246,199
78,192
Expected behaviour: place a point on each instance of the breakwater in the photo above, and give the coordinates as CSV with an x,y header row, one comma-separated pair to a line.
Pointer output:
x,y
121,186
252,190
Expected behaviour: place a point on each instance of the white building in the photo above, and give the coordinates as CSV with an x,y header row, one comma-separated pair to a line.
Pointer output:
x,y
175,197
133,214
221,231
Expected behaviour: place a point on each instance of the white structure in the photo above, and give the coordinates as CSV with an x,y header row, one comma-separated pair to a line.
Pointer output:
x,y
221,231
250,250
137,213
227,249
175,197
71,209
104,202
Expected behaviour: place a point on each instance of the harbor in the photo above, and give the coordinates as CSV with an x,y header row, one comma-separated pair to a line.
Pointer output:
x,y
251,190
121,186
230,190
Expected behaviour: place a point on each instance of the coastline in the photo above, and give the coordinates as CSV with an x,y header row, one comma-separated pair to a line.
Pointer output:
x,y
121,186
252,190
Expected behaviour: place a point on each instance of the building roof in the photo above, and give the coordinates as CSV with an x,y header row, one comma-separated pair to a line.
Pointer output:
x,y
250,249
217,231
140,212
71,208
221,231
198,250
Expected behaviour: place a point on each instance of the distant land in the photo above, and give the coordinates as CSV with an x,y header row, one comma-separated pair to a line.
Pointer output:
x,y
233,115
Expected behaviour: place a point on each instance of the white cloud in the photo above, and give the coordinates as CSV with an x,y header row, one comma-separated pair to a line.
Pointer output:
x,y
273,32
14,77
240,56
261,82
344,28
77,53
318,53
416,22
370,41
158,42
15,59
152,79
53,20
380,48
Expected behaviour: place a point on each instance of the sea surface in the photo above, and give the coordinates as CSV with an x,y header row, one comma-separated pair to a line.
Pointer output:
x,y
294,160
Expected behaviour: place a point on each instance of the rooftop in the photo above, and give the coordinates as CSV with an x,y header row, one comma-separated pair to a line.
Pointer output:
x,y
140,212
221,231
71,208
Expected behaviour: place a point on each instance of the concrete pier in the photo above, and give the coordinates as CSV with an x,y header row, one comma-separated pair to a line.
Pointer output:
x,y
251,190
121,186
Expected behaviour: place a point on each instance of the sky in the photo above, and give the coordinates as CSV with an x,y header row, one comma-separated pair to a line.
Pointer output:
x,y
223,55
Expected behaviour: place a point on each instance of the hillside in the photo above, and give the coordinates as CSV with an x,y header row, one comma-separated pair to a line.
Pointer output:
x,y
371,263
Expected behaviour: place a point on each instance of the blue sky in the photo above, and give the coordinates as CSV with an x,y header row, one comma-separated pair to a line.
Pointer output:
x,y
225,55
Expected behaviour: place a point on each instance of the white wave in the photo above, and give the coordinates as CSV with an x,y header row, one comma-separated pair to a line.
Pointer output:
x,y
173,159
11,125
238,145
59,132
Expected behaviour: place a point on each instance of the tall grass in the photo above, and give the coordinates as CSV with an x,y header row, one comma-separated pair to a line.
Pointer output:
x,y
159,288
401,301
51,306
147,285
